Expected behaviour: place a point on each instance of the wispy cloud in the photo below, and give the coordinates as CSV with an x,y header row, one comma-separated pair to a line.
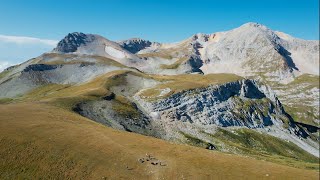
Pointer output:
x,y
4,64
27,40
16,49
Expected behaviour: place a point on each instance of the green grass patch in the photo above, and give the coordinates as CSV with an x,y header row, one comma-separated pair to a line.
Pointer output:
x,y
125,108
6,100
70,103
302,109
311,80
248,142
194,141
303,114
4,74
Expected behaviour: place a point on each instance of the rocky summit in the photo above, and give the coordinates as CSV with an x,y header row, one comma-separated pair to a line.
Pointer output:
x,y
72,41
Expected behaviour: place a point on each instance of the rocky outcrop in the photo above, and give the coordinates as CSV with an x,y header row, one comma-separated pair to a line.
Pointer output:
x,y
118,115
192,65
244,103
135,45
239,103
72,41
40,67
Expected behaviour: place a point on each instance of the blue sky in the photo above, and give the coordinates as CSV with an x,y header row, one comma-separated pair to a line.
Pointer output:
x,y
156,20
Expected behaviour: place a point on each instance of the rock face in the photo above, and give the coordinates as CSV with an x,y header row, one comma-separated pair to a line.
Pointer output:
x,y
39,67
72,41
233,104
242,103
255,51
105,112
135,45
252,47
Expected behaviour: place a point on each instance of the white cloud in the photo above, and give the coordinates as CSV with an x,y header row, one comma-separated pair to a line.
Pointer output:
x,y
4,64
17,49
27,40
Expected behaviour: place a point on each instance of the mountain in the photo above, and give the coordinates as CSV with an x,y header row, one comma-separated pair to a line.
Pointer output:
x,y
250,91
92,44
290,66
246,50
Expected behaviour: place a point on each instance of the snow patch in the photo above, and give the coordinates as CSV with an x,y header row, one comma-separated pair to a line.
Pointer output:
x,y
164,92
114,52
155,115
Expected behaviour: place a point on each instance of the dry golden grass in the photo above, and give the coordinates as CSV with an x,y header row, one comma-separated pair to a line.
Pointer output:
x,y
179,83
96,87
76,59
174,65
42,141
100,86
171,52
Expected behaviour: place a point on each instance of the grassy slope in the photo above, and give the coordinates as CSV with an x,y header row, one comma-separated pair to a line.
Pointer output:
x,y
4,73
100,86
300,109
171,53
38,140
67,96
76,59
179,83
248,142
262,146
56,92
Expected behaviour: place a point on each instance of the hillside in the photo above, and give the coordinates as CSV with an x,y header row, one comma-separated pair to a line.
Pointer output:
x,y
40,140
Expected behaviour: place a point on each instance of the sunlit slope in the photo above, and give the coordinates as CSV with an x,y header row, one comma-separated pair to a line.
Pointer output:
x,y
38,140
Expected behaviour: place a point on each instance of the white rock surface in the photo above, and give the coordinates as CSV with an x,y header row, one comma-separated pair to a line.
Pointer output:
x,y
115,52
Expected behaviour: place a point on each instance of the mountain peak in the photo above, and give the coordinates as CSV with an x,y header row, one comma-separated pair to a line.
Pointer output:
x,y
253,24
76,34
72,41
